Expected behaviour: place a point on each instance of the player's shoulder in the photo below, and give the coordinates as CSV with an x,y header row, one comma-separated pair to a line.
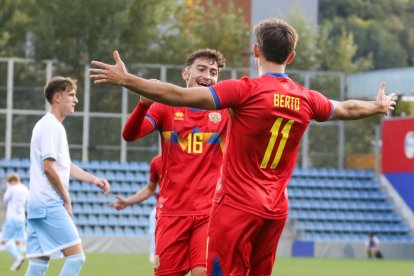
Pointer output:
x,y
48,122
23,187
156,159
158,109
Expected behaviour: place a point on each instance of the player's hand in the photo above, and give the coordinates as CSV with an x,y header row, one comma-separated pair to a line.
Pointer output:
x,y
68,207
120,203
145,101
386,103
102,184
109,74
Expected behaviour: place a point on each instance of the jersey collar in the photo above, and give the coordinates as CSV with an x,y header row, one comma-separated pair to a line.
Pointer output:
x,y
276,74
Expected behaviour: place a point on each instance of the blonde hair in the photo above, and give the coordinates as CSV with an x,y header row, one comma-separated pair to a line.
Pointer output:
x,y
14,177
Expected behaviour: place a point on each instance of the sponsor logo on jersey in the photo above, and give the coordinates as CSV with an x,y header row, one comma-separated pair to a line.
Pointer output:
x,y
178,116
214,117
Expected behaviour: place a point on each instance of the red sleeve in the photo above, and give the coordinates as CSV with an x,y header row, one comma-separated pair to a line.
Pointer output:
x,y
135,126
230,93
322,106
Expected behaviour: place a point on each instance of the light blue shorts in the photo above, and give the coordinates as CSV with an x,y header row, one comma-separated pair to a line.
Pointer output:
x,y
51,233
14,230
151,230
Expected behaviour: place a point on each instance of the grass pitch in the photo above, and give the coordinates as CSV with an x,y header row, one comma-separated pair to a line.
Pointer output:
x,y
137,264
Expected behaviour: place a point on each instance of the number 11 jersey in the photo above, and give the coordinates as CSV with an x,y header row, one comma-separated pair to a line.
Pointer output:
x,y
270,116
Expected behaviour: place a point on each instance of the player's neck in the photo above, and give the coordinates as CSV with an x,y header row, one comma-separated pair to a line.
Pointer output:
x,y
264,66
59,116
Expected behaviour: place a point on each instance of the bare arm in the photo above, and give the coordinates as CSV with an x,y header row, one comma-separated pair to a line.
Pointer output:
x,y
356,109
121,202
82,175
166,93
54,179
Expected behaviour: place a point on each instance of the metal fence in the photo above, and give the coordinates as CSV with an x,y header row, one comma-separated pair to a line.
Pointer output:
x,y
94,130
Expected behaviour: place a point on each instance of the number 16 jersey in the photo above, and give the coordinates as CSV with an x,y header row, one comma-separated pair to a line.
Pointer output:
x,y
192,151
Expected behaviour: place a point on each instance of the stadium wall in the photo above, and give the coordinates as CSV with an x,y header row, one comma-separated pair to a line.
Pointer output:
x,y
287,248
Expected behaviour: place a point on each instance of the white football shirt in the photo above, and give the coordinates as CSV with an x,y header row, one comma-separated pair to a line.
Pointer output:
x,y
48,141
16,197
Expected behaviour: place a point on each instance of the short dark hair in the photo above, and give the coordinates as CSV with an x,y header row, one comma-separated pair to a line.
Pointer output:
x,y
212,54
58,84
276,39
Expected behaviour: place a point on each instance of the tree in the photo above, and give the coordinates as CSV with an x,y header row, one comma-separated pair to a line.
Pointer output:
x,y
381,28
91,29
196,25
13,23
338,53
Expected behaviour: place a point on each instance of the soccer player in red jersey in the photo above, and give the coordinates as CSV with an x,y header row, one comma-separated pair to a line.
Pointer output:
x,y
192,142
269,116
155,177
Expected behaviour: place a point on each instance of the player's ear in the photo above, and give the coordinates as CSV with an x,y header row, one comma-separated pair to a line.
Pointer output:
x,y
256,50
56,97
291,57
184,73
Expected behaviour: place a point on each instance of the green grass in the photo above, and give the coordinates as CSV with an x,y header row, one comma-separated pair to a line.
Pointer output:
x,y
129,264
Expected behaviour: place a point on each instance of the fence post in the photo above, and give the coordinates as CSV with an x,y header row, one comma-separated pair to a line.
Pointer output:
x,y
9,108
86,115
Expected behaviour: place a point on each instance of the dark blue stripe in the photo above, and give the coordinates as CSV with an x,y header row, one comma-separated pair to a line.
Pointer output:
x,y
215,97
332,110
278,75
151,120
216,271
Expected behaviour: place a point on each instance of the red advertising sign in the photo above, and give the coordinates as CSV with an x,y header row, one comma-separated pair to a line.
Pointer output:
x,y
398,145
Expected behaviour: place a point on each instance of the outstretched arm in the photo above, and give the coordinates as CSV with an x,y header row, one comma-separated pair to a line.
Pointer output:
x,y
82,175
121,202
356,109
170,94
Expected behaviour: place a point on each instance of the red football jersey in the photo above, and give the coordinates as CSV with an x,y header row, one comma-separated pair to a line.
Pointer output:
x,y
270,115
192,151
155,172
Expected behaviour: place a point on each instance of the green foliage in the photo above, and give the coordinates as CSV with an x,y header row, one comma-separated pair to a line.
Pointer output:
x,y
13,22
404,109
76,31
199,25
307,51
322,51
381,28
338,53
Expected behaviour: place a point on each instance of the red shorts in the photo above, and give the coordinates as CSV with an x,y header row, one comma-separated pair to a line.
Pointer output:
x,y
180,244
240,243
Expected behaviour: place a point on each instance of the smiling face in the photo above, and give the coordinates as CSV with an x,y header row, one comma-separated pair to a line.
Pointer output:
x,y
202,72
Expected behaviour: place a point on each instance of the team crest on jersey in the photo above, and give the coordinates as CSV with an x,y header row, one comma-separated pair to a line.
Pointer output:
x,y
156,261
178,116
214,117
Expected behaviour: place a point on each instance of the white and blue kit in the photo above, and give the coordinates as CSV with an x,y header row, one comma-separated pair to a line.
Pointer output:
x,y
14,227
50,227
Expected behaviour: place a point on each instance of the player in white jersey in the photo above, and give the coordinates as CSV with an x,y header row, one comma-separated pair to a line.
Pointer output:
x,y
49,211
14,227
